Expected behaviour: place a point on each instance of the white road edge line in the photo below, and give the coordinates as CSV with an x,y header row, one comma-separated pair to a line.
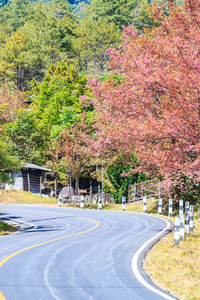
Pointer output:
x,y
135,269
32,225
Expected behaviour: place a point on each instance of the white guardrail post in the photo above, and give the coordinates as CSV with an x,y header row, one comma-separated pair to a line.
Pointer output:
x,y
60,200
187,225
180,207
82,201
182,230
187,206
160,206
100,201
170,207
177,230
124,203
144,204
191,217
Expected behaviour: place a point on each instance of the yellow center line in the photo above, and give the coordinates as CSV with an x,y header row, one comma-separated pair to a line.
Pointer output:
x,y
2,296
57,239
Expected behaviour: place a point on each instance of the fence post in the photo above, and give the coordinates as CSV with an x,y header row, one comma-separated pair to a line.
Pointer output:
x,y
180,207
144,188
191,217
144,204
28,177
40,185
177,230
170,207
187,227
182,230
160,206
123,203
82,202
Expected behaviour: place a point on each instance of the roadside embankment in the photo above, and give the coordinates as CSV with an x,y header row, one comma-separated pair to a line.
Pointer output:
x,y
177,268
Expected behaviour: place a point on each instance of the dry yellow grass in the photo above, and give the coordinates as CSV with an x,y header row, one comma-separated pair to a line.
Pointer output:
x,y
135,207
20,197
177,268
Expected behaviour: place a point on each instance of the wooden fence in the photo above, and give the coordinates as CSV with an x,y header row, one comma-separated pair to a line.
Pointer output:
x,y
147,188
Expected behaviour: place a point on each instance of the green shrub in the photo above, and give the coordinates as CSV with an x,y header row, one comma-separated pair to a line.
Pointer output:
x,y
121,183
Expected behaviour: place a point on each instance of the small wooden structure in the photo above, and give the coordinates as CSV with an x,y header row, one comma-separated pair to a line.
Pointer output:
x,y
147,188
29,179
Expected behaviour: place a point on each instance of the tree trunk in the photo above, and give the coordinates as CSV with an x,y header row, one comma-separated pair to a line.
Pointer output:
x,y
76,185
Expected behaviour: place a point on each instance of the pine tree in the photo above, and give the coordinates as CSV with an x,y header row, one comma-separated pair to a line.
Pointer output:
x,y
121,12
92,41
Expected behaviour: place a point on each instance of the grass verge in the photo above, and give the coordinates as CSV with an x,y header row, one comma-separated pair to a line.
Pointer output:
x,y
6,228
136,207
20,197
177,268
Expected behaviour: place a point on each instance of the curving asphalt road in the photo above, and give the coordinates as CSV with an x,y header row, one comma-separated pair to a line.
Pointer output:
x,y
74,254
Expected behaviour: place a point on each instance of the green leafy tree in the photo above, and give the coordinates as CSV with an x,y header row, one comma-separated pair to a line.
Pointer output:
x,y
55,106
21,11
5,20
53,26
8,161
70,152
120,183
28,139
93,39
51,37
67,32
33,36
141,15
121,12
19,63
58,9
16,13
56,101
56,38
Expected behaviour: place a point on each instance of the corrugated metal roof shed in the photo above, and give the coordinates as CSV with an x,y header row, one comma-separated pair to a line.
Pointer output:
x,y
32,166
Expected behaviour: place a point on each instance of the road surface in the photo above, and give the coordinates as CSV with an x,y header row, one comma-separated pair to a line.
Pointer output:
x,y
74,254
